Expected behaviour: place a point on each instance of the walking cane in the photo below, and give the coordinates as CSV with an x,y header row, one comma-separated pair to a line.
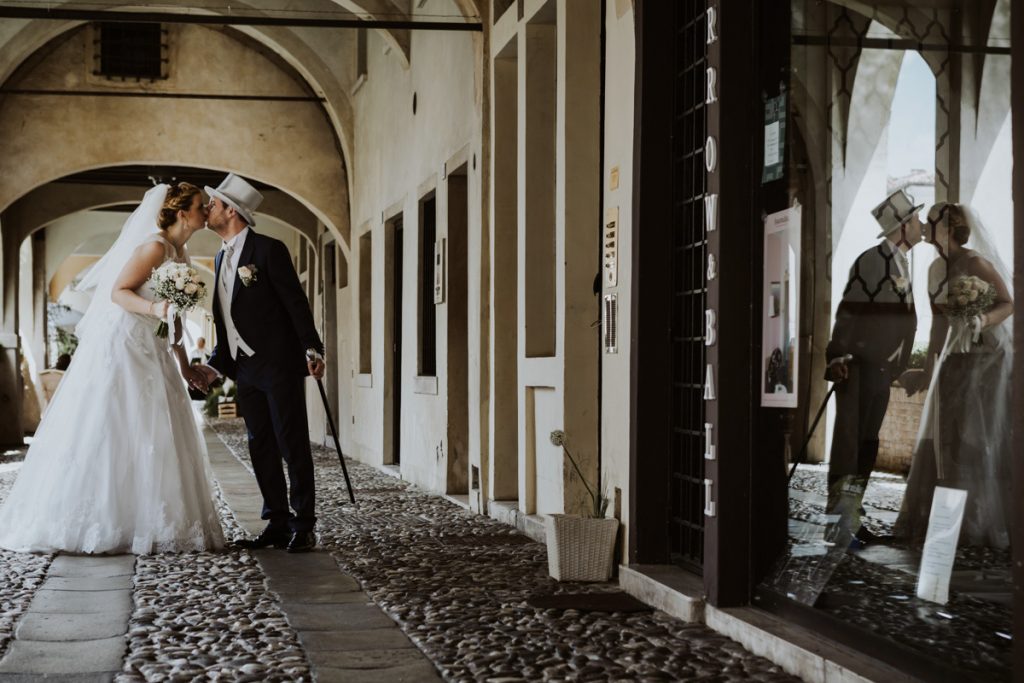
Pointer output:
x,y
803,449
334,433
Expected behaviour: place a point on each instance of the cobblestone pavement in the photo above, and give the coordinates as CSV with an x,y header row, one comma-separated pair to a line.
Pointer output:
x,y
20,573
458,583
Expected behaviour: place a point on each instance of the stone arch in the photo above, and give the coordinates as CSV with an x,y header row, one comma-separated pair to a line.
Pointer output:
x,y
281,144
33,36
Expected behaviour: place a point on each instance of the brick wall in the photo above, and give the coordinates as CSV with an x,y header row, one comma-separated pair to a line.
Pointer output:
x,y
899,431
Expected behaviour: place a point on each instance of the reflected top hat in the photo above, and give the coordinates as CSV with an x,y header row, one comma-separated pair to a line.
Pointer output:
x,y
897,209
238,194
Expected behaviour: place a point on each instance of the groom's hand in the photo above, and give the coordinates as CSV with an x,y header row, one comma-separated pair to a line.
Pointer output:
x,y
315,364
316,367
211,376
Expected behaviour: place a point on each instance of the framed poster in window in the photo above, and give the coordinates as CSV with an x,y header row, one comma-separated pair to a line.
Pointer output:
x,y
780,317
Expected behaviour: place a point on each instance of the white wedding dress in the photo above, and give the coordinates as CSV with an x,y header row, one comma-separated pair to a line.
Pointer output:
x,y
118,463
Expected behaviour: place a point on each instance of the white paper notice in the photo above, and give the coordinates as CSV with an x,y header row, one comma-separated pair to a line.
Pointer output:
x,y
940,544
771,144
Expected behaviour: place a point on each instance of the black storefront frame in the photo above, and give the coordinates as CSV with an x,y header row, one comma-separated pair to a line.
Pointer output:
x,y
747,533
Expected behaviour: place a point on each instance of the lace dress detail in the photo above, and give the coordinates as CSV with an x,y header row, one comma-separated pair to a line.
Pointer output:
x,y
118,463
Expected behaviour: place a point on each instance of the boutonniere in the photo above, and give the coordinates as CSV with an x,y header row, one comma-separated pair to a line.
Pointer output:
x,y
247,274
901,285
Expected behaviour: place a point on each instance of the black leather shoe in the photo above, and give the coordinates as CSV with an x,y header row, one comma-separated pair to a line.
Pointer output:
x,y
268,537
865,536
302,542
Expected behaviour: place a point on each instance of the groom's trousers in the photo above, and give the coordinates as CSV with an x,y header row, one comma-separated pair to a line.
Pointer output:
x,y
273,404
861,402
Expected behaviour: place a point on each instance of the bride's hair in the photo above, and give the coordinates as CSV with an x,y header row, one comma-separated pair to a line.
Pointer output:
x,y
959,226
179,198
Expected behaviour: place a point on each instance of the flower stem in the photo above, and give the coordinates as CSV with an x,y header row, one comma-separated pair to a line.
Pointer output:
x,y
576,467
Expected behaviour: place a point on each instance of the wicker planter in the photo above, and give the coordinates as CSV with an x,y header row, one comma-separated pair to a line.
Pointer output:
x,y
580,548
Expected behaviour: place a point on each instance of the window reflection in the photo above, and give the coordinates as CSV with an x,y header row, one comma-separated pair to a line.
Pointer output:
x,y
899,505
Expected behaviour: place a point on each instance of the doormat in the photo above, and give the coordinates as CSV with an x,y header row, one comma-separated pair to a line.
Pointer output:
x,y
590,602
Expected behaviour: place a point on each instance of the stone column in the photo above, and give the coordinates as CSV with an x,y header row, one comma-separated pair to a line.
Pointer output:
x,y
11,433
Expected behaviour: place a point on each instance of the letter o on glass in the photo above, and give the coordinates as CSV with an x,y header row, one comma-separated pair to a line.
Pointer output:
x,y
710,155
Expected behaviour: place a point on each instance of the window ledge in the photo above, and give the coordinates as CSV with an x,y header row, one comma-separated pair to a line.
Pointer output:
x,y
425,385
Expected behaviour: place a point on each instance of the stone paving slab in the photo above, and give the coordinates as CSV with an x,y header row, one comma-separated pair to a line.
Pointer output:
x,y
328,608
81,657
331,617
370,659
355,640
71,627
410,673
292,583
84,565
279,563
58,678
321,597
88,583
81,602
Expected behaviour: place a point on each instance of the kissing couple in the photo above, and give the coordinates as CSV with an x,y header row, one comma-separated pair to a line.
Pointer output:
x,y
118,463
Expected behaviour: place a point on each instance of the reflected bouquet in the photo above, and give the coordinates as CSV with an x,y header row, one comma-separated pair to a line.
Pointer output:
x,y
180,285
969,297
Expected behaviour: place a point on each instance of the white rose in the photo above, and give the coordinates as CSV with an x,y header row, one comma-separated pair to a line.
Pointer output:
x,y
973,295
179,284
962,300
244,272
191,288
982,286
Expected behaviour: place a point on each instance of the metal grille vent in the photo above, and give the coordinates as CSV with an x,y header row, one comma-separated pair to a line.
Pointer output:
x,y
126,50
611,323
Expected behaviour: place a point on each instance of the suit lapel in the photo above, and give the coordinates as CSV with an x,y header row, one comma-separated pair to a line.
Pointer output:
x,y
245,258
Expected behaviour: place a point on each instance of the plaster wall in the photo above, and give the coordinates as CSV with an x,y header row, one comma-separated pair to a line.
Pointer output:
x,y
620,63
403,156
554,49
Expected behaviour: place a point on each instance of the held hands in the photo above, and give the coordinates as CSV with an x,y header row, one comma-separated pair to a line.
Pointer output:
x,y
913,381
210,376
195,378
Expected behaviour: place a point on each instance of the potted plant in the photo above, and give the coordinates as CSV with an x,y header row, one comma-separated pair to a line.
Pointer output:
x,y
581,548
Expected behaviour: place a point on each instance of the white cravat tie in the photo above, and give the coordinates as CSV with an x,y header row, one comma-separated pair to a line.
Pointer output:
x,y
227,265
901,261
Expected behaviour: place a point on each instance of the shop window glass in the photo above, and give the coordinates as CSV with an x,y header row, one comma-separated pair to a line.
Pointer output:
x,y
899,497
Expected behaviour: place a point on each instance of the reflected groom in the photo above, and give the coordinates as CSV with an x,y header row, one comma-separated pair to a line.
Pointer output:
x,y
870,346
265,332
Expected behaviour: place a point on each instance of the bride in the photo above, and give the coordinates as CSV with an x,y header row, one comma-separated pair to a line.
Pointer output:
x,y
118,463
964,441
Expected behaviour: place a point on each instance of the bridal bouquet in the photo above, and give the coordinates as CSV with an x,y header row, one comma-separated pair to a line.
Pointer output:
x,y
969,297
179,284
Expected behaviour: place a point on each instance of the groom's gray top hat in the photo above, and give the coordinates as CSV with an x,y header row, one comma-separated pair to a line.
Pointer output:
x,y
897,209
238,194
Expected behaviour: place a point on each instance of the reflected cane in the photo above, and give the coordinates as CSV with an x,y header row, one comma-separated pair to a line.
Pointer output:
x,y
334,433
810,432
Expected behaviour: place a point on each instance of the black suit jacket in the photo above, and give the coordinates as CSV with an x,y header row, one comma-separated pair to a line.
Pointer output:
x,y
271,314
876,317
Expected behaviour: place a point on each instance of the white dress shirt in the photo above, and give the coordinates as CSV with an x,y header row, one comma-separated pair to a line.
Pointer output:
x,y
225,289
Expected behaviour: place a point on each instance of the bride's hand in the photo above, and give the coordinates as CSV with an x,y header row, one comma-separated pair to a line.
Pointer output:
x,y
194,378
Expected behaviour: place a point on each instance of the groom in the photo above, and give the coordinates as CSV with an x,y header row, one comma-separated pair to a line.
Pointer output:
x,y
870,346
265,334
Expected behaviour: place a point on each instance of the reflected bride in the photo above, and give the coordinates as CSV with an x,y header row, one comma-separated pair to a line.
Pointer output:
x,y
964,437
